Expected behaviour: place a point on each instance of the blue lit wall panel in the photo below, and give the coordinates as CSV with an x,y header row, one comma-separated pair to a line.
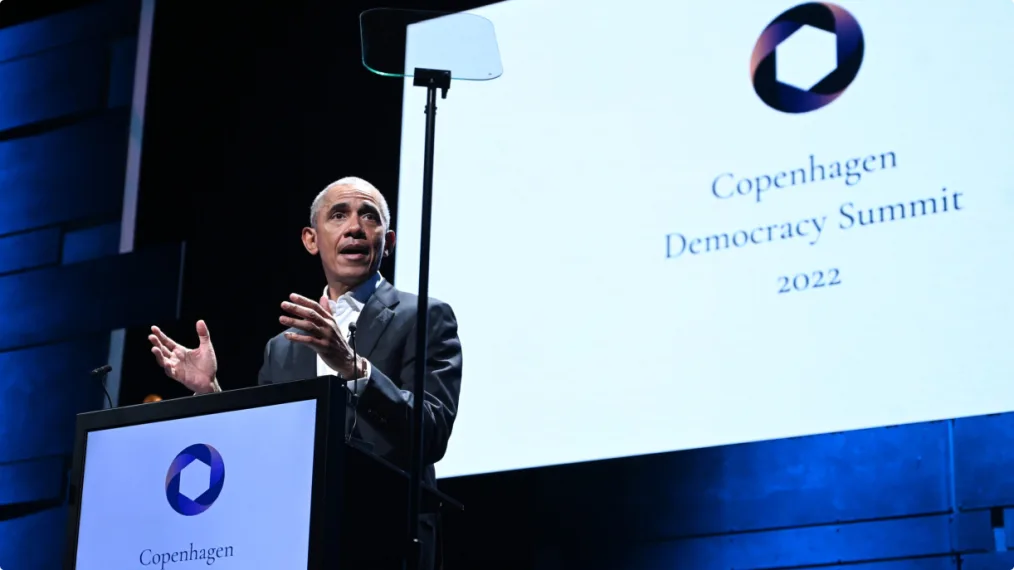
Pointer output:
x,y
41,390
99,22
764,505
988,561
123,57
31,480
91,243
92,158
867,474
51,85
112,292
616,560
34,541
29,249
66,83
893,539
1008,529
936,563
984,461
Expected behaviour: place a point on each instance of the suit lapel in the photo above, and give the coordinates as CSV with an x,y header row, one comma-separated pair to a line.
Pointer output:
x,y
375,317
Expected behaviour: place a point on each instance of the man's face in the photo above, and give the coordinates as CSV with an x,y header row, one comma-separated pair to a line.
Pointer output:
x,y
350,235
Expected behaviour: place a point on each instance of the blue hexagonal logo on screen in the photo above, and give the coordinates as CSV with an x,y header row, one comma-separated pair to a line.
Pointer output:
x,y
195,479
806,57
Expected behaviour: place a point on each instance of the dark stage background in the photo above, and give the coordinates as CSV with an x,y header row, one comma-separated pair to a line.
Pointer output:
x,y
252,108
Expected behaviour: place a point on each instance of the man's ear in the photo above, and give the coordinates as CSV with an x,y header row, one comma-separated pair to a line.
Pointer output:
x,y
310,241
389,241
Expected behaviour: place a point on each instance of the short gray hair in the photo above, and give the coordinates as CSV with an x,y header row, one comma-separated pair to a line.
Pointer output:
x,y
385,211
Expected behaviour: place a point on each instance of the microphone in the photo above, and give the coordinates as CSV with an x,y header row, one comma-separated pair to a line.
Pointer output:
x,y
101,372
355,388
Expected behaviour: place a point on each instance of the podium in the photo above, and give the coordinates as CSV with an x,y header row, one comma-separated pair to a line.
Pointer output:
x,y
259,477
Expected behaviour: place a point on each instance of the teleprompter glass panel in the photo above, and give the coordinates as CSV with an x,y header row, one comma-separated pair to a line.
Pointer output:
x,y
397,42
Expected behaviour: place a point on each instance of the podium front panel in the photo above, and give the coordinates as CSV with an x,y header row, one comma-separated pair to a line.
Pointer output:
x,y
231,489
239,479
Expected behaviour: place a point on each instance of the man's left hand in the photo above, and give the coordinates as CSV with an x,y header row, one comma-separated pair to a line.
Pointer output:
x,y
322,333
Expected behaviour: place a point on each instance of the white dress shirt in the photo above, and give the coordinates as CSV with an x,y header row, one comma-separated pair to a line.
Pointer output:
x,y
346,310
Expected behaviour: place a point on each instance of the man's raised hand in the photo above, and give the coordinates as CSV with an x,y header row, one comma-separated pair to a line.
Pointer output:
x,y
195,368
320,332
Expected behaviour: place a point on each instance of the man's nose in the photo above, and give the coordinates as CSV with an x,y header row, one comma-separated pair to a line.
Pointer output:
x,y
354,228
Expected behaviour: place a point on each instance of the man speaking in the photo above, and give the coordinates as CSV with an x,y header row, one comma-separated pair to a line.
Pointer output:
x,y
350,231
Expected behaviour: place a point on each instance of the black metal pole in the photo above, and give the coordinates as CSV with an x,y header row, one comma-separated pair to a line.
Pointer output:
x,y
432,80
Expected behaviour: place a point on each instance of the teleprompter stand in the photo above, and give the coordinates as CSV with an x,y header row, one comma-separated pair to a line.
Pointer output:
x,y
432,80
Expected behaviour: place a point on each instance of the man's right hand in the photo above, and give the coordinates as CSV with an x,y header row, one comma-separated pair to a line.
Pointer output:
x,y
195,368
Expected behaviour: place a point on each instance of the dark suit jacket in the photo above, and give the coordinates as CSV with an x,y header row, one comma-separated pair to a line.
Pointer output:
x,y
386,336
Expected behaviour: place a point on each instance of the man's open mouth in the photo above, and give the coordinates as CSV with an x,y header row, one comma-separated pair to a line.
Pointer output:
x,y
355,251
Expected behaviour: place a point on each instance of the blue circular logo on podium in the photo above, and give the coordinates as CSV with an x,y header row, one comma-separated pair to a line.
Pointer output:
x,y
195,479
